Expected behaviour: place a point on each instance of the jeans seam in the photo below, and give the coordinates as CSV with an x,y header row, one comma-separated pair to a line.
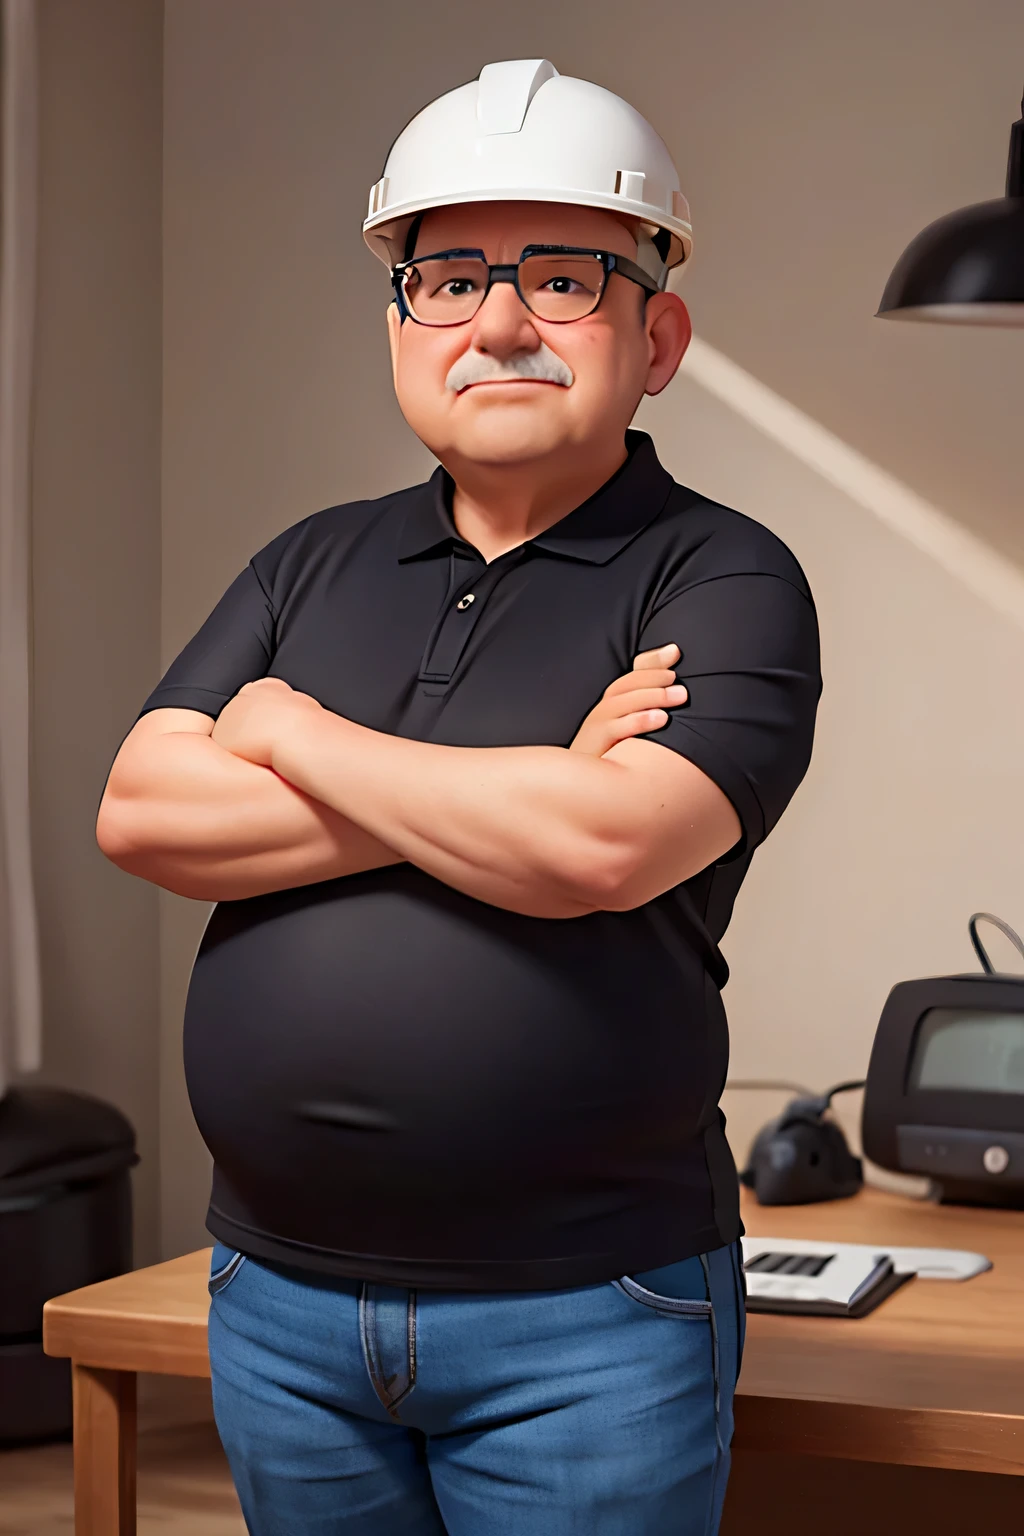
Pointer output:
x,y
366,1319
736,1256
668,1306
222,1279
411,1336
371,1355
410,1346
717,1378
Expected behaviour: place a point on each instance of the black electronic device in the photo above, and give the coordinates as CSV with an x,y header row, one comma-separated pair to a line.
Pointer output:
x,y
800,1157
945,1087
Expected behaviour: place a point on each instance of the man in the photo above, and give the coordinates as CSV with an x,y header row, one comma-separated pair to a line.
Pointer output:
x,y
454,1034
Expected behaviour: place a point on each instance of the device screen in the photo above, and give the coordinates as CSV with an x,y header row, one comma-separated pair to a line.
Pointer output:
x,y
969,1050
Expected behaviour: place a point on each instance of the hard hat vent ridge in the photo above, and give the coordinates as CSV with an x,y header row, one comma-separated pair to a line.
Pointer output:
x,y
630,184
505,91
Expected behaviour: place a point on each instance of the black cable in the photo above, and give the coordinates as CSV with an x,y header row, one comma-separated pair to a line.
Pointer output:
x,y
972,927
745,1083
803,1093
861,1082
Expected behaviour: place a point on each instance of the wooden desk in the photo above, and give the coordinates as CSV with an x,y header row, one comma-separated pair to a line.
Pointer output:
x,y
150,1320
934,1378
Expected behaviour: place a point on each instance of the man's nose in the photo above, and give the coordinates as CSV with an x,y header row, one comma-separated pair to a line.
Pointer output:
x,y
503,326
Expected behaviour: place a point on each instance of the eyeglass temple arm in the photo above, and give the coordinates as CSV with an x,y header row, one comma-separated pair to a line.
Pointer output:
x,y
636,274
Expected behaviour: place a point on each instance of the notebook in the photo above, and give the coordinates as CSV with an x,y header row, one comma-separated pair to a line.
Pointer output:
x,y
841,1279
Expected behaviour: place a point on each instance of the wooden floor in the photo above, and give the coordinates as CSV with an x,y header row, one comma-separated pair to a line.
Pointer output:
x,y
184,1483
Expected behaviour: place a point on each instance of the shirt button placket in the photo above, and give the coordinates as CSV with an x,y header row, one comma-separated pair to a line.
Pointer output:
x,y
456,628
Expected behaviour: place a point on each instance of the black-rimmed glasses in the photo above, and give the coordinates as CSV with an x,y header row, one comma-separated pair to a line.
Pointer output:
x,y
557,283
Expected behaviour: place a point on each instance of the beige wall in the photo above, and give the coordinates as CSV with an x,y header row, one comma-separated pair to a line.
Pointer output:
x,y
910,817
96,543
814,140
817,138
277,397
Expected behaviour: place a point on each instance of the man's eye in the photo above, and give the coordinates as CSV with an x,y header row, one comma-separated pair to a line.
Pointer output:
x,y
563,285
454,288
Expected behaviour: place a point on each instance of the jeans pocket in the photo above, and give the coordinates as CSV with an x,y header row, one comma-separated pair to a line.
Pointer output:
x,y
224,1266
667,1306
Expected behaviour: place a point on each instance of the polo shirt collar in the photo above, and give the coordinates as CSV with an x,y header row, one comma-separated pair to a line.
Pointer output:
x,y
594,532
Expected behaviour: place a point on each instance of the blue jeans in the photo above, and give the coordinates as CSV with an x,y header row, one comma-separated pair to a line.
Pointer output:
x,y
369,1410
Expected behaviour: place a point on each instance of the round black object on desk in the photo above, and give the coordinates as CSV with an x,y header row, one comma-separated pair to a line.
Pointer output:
x,y
800,1158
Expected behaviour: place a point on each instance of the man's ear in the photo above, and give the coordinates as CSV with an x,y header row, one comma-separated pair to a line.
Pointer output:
x,y
669,331
394,331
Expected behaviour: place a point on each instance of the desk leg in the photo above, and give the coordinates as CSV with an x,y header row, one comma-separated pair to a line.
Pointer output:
x,y
104,1452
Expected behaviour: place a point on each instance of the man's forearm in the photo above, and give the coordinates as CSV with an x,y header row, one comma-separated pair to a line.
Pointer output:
x,y
193,818
537,830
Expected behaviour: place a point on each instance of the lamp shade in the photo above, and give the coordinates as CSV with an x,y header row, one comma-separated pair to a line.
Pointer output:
x,y
968,267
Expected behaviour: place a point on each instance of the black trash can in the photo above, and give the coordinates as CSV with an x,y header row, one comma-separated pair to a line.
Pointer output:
x,y
65,1221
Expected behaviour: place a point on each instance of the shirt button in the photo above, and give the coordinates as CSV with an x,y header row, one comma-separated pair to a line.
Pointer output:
x,y
464,603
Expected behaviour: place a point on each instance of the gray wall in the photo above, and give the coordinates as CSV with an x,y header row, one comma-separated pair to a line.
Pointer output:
x,y
96,543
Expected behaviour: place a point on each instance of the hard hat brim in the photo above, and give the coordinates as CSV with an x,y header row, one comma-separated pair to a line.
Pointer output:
x,y
385,231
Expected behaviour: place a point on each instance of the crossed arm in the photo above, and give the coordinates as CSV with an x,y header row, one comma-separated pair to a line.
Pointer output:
x,y
280,792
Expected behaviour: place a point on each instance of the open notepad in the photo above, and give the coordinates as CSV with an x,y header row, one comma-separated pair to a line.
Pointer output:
x,y
841,1279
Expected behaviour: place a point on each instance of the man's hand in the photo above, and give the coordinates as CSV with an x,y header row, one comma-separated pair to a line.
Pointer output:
x,y
536,830
634,703
263,713
260,716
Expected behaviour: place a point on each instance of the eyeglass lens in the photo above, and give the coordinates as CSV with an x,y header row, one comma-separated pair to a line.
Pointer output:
x,y
447,290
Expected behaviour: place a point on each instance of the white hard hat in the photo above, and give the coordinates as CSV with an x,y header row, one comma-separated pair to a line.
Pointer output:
x,y
523,132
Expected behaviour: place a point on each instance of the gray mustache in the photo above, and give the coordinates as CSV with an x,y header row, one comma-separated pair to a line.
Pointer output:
x,y
480,368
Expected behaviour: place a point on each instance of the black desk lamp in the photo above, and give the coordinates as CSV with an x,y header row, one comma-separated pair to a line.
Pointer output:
x,y
967,268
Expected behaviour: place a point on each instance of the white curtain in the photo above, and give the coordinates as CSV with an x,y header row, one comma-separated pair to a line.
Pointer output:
x,y
20,1002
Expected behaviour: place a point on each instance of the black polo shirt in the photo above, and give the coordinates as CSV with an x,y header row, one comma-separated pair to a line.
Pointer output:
x,y
401,1083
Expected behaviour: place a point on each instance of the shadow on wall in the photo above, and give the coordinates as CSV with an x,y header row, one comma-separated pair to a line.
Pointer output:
x,y
910,816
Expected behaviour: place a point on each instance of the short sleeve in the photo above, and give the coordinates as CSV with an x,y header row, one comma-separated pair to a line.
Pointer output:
x,y
233,647
751,664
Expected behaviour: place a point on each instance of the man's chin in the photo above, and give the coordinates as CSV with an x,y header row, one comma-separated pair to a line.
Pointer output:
x,y
510,432
502,443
